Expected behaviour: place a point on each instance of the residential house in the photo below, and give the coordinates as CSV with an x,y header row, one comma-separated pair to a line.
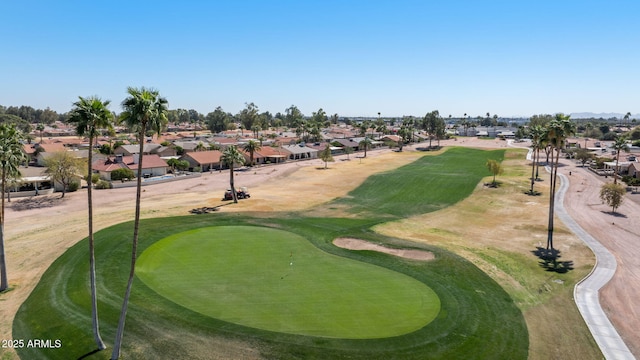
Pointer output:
x,y
205,160
152,165
148,149
300,152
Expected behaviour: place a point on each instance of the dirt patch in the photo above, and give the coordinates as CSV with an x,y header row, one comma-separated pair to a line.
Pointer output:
x,y
357,244
36,202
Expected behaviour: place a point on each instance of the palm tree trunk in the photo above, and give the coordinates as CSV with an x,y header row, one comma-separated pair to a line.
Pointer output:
x,y
134,249
552,195
4,281
533,168
92,259
233,188
615,173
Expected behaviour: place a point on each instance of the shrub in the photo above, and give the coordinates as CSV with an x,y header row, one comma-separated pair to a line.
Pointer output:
x,y
631,181
74,185
119,174
103,184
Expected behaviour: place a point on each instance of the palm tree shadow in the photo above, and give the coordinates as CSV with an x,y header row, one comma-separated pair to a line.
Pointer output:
x,y
549,260
89,354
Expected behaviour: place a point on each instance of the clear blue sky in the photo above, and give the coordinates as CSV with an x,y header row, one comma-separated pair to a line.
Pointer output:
x,y
353,58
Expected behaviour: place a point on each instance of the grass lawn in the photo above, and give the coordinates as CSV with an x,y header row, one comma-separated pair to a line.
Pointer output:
x,y
477,319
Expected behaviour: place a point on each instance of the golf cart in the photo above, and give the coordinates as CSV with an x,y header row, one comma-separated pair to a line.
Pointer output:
x,y
242,193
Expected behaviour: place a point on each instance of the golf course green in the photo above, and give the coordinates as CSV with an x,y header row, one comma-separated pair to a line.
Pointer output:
x,y
276,280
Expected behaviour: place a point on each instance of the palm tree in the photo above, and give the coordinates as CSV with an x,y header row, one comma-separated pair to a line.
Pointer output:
x,y
365,144
558,130
251,147
40,128
230,157
619,145
537,132
200,147
11,156
90,115
143,109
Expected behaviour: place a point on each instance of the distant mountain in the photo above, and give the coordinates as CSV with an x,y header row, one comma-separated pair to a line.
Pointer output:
x,y
588,115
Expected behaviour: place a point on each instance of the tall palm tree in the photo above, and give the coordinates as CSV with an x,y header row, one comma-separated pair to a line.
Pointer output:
x,y
230,157
11,156
90,115
537,132
143,109
559,130
251,147
619,145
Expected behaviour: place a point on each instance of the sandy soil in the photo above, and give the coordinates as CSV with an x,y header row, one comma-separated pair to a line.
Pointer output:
x,y
357,244
36,237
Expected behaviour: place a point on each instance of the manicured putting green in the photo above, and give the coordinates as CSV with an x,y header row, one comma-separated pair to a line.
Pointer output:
x,y
276,280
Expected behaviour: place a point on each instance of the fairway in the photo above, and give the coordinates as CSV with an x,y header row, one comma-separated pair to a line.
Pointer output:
x,y
276,280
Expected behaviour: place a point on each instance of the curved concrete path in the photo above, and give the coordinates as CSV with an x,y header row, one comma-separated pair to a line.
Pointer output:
x,y
585,293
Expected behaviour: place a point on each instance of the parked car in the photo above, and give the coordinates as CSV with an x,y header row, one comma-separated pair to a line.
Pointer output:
x,y
242,193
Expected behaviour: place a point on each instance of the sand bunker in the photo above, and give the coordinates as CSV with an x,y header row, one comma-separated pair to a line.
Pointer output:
x,y
357,244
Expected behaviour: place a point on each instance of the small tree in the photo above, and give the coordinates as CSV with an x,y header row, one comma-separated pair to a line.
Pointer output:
x,y
122,173
348,150
583,155
495,168
63,168
325,155
612,194
365,144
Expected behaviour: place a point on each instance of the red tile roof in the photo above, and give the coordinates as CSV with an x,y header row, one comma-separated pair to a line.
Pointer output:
x,y
205,157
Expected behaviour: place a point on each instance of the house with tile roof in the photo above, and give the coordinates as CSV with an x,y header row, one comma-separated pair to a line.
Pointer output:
x,y
205,160
152,165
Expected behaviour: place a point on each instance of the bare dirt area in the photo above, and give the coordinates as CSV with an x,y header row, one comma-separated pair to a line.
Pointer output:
x,y
357,244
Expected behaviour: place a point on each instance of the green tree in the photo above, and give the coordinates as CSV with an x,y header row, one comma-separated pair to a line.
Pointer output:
x,y
122,173
64,167
612,194
558,131
325,155
89,116
251,147
365,144
583,155
248,116
430,124
143,109
495,168
11,156
348,150
619,145
217,120
230,157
